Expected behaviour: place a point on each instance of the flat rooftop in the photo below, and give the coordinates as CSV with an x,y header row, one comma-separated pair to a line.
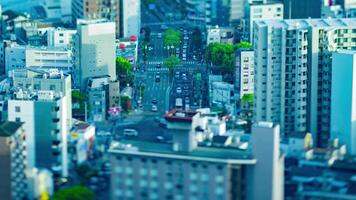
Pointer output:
x,y
206,153
305,23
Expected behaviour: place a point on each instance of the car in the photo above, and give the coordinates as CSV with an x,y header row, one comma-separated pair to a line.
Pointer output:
x,y
154,101
154,108
177,75
179,90
130,132
160,138
158,78
186,38
158,66
184,59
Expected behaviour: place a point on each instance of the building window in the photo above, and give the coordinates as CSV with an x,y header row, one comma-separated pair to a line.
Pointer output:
x,y
17,109
52,87
18,119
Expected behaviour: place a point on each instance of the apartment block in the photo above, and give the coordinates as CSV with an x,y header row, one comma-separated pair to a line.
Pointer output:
x,y
59,37
244,77
13,183
44,116
293,72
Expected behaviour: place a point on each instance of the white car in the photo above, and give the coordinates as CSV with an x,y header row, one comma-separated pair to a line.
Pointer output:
x,y
179,90
130,132
154,108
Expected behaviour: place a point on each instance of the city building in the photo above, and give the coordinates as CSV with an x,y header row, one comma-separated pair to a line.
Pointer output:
x,y
114,94
94,51
244,77
40,181
13,183
125,13
258,11
81,142
59,37
302,9
343,99
269,168
44,115
15,57
220,35
127,48
223,96
37,80
98,98
188,169
237,11
293,72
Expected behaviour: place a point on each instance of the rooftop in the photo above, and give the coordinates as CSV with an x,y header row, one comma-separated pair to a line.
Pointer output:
x,y
306,23
214,154
8,128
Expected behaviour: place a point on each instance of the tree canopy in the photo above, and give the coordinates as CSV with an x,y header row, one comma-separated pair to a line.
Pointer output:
x,y
124,71
221,55
78,101
74,193
172,37
171,62
242,45
247,98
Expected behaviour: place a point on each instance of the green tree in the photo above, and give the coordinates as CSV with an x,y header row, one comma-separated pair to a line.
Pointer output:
x,y
242,45
78,101
247,98
126,103
74,193
172,37
124,71
171,63
221,55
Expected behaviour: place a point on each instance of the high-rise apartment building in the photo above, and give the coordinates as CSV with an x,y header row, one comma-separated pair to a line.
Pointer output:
x,y
261,11
44,114
244,77
59,37
94,51
343,99
300,9
293,72
13,183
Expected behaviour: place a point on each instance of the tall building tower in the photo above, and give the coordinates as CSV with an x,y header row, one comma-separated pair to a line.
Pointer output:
x,y
12,161
94,51
268,174
293,72
44,115
343,99
244,77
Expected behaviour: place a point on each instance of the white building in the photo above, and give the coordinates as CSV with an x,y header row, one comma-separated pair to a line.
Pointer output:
x,y
131,22
59,37
259,11
223,95
95,51
49,58
343,99
293,72
220,35
244,81
44,115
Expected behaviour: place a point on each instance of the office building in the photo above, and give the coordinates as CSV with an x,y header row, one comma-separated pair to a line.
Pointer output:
x,y
258,11
343,99
59,37
44,114
15,57
98,98
94,51
244,77
237,10
223,96
12,161
130,18
293,72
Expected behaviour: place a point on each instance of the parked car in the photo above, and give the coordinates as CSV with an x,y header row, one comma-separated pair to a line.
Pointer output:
x,y
130,132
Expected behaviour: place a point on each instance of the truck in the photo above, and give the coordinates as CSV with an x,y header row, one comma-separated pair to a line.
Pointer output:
x,y
179,103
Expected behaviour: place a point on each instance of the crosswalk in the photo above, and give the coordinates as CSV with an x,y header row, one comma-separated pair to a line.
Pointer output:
x,y
161,62
163,69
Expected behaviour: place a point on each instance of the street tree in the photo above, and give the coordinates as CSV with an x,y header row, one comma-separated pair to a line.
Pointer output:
x,y
124,71
221,55
78,102
74,193
172,38
171,63
242,45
